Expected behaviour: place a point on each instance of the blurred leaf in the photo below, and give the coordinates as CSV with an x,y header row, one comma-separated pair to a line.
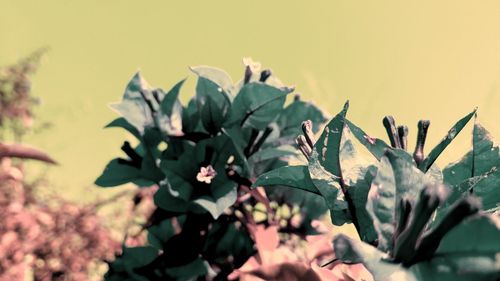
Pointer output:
x,y
134,106
291,176
190,271
468,252
170,121
121,122
160,233
293,115
191,118
354,251
220,201
478,235
381,203
212,96
272,152
117,174
257,105
397,178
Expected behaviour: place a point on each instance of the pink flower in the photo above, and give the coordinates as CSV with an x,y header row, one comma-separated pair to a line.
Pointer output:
x,y
206,174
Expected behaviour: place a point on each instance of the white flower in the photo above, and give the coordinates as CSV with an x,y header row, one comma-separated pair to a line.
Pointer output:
x,y
206,174
254,65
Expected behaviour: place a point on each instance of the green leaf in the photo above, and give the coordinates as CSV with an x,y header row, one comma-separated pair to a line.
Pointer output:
x,y
354,251
272,152
134,106
220,201
478,235
376,146
257,105
191,118
461,267
159,234
117,174
121,122
216,75
172,200
327,147
357,173
477,172
452,133
468,252
325,171
138,256
212,96
292,176
381,204
190,271
397,178
170,122
171,99
293,115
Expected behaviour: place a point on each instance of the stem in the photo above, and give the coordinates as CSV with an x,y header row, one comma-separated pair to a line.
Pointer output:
x,y
261,140
251,141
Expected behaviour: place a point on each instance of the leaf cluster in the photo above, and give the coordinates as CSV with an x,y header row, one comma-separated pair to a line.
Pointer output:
x,y
204,156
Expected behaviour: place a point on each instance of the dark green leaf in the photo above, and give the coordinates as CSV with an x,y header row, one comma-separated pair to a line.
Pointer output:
x,y
452,133
170,121
381,204
292,176
477,172
376,146
117,174
357,174
324,168
272,152
190,271
136,104
355,251
293,115
257,105
212,97
224,197
468,252
122,123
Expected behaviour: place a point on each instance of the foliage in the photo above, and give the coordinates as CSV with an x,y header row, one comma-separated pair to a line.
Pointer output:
x,y
204,156
40,238
416,221
16,100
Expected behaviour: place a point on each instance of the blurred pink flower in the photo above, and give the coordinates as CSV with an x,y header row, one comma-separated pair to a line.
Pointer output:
x,y
206,174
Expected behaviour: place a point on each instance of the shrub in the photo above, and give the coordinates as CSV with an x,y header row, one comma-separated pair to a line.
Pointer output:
x,y
204,156
40,238
416,221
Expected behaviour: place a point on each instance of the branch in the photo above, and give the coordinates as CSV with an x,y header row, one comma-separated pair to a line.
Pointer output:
x,y
24,152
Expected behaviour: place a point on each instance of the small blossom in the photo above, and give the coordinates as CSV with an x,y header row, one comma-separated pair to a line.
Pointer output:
x,y
206,174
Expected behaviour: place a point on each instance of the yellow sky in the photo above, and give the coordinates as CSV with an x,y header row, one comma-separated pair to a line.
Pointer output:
x,y
428,59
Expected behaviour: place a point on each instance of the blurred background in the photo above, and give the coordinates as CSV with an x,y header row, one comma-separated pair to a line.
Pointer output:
x,y
426,60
